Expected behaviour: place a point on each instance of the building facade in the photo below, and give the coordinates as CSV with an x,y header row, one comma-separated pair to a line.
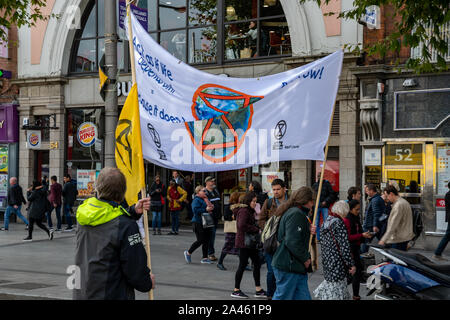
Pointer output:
x,y
405,121
58,78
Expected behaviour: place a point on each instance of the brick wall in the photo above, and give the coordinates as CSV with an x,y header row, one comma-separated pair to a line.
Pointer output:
x,y
9,92
387,27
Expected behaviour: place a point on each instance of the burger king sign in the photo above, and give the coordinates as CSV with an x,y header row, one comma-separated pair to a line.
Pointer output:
x,y
33,139
86,134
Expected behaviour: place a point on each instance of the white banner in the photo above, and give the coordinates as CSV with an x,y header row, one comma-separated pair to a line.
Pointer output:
x,y
196,121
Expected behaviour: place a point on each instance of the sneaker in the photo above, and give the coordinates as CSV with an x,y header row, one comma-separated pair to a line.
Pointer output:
x,y
260,294
171,233
187,257
212,258
68,229
356,298
221,267
154,232
26,228
3,229
239,294
159,232
58,230
441,258
50,234
248,268
175,233
206,260
28,239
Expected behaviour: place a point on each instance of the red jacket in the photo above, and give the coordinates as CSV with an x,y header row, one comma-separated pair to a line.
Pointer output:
x,y
354,236
245,222
55,194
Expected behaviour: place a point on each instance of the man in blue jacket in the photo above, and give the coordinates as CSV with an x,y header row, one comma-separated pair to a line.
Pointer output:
x,y
374,211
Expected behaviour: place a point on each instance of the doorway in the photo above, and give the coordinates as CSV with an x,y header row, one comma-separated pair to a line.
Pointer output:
x,y
41,164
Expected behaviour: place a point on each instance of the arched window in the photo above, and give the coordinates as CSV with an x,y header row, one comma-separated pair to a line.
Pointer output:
x,y
89,43
194,31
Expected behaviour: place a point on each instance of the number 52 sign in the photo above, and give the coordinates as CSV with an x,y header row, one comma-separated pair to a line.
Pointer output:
x,y
403,154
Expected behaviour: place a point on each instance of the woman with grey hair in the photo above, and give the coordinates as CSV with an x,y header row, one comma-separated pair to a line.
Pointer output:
x,y
337,260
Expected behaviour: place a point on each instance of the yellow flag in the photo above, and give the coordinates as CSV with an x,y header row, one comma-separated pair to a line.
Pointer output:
x,y
102,76
129,157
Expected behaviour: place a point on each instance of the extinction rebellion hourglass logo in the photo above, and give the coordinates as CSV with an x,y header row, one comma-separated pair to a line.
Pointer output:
x,y
226,116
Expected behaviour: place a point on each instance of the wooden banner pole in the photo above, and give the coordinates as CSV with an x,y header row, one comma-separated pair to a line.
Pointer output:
x,y
143,193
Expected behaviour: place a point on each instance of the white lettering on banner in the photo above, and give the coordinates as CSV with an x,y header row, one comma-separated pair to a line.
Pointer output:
x,y
1,124
197,121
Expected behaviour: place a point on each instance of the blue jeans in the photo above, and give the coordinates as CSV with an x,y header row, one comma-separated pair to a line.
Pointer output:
x,y
211,250
175,220
271,282
156,220
58,218
291,286
10,210
324,213
444,241
67,215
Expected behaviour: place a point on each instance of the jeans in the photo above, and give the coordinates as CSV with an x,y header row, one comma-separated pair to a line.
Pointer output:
x,y
58,218
399,246
175,220
444,241
271,281
211,250
324,213
156,220
10,210
67,208
291,286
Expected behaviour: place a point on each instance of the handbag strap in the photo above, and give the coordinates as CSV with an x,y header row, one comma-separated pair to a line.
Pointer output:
x,y
339,249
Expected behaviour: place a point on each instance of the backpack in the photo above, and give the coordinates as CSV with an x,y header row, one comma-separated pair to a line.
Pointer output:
x,y
269,235
417,223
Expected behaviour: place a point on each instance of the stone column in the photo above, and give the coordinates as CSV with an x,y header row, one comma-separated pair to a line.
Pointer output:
x,y
301,174
57,142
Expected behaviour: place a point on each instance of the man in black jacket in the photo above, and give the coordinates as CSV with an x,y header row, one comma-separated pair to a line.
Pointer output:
x,y
15,201
69,194
327,197
441,247
214,196
109,252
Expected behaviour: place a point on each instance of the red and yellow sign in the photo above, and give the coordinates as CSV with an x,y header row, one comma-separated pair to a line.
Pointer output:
x,y
86,134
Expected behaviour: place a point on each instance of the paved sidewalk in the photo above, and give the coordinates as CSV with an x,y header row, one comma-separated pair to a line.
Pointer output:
x,y
37,269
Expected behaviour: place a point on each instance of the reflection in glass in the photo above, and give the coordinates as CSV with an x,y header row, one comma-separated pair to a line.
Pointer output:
x,y
202,45
175,43
240,10
101,18
89,27
240,40
408,181
274,37
152,10
85,58
270,8
172,14
101,49
202,12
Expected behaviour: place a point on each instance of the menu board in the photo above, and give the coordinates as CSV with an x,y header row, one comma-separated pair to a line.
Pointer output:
x,y
443,172
3,187
86,183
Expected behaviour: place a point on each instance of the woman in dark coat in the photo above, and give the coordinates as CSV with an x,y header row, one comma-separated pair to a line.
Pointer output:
x,y
355,236
246,224
37,197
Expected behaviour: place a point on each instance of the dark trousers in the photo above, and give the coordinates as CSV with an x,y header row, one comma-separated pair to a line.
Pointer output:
x,y
58,217
203,235
244,254
399,246
39,224
358,274
444,241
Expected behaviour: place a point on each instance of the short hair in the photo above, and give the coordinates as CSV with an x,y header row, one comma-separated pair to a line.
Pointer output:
x,y
111,184
391,189
372,187
198,189
299,197
248,197
67,176
278,182
54,178
341,208
353,203
351,192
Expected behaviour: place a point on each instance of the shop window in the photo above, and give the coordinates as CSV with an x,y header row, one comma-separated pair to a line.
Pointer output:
x,y
89,44
443,171
85,134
